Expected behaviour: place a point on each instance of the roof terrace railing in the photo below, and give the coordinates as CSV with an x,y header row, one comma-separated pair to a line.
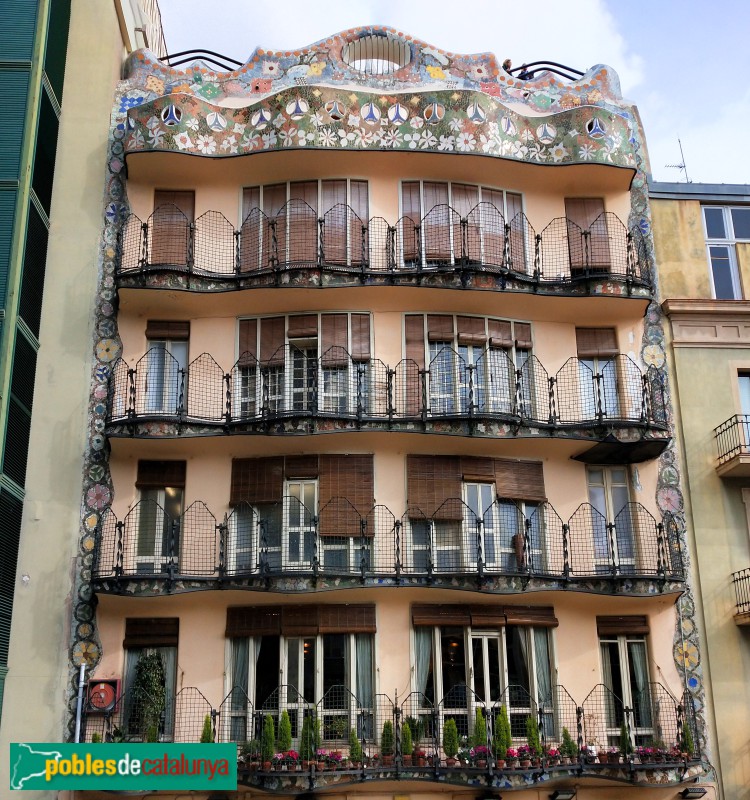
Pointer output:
x,y
480,240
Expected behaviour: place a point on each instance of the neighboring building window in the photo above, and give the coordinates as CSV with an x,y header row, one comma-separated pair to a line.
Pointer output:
x,y
160,485
431,214
461,665
302,669
281,504
452,348
598,372
166,361
725,226
588,237
609,494
624,661
153,637
448,495
743,379
174,212
307,361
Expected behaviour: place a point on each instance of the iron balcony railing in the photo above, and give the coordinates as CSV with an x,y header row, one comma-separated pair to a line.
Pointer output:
x,y
652,719
733,437
482,240
275,540
741,581
299,383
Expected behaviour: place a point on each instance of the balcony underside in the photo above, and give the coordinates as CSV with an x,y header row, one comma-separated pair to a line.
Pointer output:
x,y
401,779
476,277
629,585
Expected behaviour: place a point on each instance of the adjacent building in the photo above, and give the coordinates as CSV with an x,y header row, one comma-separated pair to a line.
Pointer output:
x,y
380,431
702,239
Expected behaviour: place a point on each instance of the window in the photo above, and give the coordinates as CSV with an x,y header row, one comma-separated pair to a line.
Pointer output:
x,y
161,485
302,669
174,212
609,495
303,363
164,386
295,207
598,372
472,365
588,237
462,666
725,226
624,661
430,227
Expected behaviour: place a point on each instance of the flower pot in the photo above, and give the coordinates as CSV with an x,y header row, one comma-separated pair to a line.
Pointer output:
x,y
387,761
450,762
267,766
406,760
525,763
603,757
320,765
482,763
420,761
500,762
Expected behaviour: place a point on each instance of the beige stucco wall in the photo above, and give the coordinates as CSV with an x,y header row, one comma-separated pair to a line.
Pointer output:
x,y
34,708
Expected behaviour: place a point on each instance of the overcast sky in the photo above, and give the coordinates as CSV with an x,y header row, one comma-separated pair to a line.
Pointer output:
x,y
685,63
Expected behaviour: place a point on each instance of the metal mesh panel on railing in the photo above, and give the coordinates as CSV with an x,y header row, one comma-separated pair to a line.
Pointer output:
x,y
532,401
106,548
673,539
373,395
344,238
158,384
337,383
214,251
494,383
408,244
150,540
638,542
590,552
421,715
284,698
205,396
370,729
689,728
136,717
441,237
603,715
287,537
296,231
414,545
408,382
235,717
520,706
485,237
447,384
169,238
190,711
199,545
119,393
381,243
654,718
548,540
130,245
521,245
459,703
258,244
344,547
554,253
608,244
242,544
340,711
385,535
246,389
639,258
557,710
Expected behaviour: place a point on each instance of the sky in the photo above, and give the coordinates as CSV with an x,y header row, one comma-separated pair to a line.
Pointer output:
x,y
684,63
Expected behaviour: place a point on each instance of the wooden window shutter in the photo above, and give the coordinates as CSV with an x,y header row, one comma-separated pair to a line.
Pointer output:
x,y
454,616
596,342
184,200
303,326
431,481
257,480
439,328
360,348
583,210
334,337
536,616
414,338
347,618
168,329
522,332
622,626
347,493
253,621
158,474
520,480
477,470
305,467
151,632
487,616
471,331
248,344
501,334
299,620
272,341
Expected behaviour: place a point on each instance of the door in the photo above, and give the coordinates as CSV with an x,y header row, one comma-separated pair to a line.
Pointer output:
x,y
609,494
158,541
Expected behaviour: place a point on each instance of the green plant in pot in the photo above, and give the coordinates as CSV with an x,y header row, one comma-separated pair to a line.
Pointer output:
x,y
386,743
407,745
626,746
568,748
285,732
148,697
532,737
267,742
207,734
502,738
450,741
355,748
479,735
310,738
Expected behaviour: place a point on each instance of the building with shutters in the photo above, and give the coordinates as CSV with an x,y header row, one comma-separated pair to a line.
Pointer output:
x,y
702,242
381,432
55,55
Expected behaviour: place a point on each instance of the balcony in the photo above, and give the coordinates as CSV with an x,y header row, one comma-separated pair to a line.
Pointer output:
x,y
741,581
733,444
509,548
481,250
298,392
656,727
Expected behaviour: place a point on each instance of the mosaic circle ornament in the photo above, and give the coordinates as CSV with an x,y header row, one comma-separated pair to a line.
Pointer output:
x,y
434,113
335,110
216,122
508,126
171,115
398,114
546,133
596,128
297,109
370,113
476,113
260,119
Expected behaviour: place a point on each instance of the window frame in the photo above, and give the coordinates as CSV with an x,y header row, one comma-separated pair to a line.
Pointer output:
x,y
610,514
729,241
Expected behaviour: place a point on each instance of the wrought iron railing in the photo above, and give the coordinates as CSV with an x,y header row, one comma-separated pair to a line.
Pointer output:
x,y
741,581
294,383
274,540
733,437
482,240
654,719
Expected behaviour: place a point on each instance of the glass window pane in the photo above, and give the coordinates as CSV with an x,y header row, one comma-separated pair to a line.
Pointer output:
x,y
308,666
518,666
714,223
292,662
721,268
493,648
477,655
454,666
741,223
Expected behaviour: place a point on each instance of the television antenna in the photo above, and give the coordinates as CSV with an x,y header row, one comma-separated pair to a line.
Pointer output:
x,y
681,166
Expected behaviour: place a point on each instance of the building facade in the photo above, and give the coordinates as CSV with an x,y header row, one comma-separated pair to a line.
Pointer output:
x,y
380,434
702,236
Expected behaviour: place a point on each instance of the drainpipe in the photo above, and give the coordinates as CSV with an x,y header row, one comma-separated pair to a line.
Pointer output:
x,y
79,705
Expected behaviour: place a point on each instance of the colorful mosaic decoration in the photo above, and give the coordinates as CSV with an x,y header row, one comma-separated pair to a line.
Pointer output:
x,y
316,97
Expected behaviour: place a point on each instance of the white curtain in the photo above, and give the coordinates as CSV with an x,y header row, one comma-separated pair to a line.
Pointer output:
x,y
641,700
543,682
364,689
422,656
607,680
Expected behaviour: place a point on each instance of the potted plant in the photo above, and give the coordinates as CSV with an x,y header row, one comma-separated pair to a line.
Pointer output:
x,y
502,739
524,756
687,745
334,759
148,697
250,753
511,757
267,742
322,759
207,734
386,743
532,738
479,735
309,741
355,749
284,742
552,754
626,746
568,748
450,742
480,755
407,746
